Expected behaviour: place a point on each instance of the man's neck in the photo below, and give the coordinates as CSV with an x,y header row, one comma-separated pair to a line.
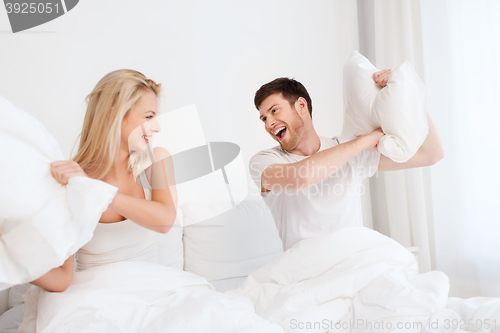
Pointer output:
x,y
310,144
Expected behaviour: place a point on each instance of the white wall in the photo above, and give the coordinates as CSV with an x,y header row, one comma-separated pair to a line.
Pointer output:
x,y
214,54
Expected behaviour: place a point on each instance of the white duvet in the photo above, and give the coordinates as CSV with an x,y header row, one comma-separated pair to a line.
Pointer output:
x,y
357,280
136,296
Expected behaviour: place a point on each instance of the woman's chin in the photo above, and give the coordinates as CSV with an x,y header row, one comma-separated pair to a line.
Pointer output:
x,y
138,146
137,150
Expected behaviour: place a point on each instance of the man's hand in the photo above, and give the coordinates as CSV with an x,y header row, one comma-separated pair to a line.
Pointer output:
x,y
374,138
64,170
382,77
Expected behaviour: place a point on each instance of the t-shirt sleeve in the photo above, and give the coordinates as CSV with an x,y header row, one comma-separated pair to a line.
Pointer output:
x,y
259,162
365,163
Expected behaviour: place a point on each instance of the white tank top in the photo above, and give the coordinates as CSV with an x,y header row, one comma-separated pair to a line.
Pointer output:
x,y
120,241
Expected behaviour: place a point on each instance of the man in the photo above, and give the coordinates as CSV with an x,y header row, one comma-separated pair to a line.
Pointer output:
x,y
312,184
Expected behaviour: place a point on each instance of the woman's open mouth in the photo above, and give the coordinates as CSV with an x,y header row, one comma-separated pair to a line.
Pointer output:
x,y
145,138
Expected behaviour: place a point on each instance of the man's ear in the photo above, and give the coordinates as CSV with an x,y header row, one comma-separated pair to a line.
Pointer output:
x,y
301,106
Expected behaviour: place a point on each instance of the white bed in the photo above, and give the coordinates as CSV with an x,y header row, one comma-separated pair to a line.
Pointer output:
x,y
223,249
228,248
11,319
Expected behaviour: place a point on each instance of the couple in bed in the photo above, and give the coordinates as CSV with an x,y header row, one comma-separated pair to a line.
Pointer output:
x,y
118,285
311,184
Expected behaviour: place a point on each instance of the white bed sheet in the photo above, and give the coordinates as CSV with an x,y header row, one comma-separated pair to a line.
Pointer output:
x,y
224,285
358,279
136,296
11,319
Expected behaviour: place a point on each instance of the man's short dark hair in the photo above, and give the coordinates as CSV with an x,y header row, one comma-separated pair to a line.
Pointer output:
x,y
289,88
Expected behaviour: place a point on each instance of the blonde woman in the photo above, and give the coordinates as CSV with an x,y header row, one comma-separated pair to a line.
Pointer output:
x,y
120,121
118,285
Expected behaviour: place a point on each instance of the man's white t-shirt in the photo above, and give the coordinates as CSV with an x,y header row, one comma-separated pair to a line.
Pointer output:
x,y
318,209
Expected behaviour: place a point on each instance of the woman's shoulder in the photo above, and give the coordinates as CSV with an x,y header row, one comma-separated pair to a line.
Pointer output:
x,y
160,153
146,161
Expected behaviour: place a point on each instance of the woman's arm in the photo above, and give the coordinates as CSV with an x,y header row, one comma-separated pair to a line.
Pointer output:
x,y
159,213
57,279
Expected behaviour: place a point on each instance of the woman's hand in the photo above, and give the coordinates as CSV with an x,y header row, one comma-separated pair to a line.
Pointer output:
x,y
64,170
382,77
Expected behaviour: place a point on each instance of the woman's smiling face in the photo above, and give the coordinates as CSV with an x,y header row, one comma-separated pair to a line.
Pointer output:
x,y
141,122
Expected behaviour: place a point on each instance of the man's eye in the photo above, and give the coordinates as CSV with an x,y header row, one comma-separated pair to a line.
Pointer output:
x,y
263,119
274,110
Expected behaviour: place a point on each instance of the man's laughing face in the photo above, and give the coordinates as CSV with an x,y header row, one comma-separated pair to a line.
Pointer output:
x,y
282,121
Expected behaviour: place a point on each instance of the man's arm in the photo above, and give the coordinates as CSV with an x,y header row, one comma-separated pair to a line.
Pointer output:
x,y
317,167
429,153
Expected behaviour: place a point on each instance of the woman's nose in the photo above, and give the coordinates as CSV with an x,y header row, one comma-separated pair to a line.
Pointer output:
x,y
155,125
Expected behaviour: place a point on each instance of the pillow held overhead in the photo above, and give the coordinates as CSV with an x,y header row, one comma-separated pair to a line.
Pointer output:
x,y
42,222
398,108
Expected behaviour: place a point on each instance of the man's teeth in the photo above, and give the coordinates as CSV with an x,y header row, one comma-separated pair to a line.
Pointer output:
x,y
276,132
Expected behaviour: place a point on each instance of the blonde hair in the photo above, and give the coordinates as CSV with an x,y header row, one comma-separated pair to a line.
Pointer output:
x,y
107,105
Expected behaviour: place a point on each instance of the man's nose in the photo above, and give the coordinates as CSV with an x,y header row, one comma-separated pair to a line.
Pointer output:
x,y
270,122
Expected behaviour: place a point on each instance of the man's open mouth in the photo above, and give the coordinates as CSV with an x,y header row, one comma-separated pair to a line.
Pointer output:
x,y
280,133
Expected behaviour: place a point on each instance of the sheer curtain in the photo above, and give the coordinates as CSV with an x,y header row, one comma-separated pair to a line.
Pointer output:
x,y
390,32
450,210
461,41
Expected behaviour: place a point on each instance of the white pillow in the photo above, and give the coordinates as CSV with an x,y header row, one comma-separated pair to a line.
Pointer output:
x,y
398,108
230,245
42,222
